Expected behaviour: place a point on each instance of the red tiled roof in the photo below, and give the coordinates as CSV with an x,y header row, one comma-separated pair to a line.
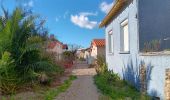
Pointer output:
x,y
98,42
52,44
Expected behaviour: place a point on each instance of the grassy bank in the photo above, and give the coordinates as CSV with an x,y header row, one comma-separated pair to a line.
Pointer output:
x,y
116,89
42,93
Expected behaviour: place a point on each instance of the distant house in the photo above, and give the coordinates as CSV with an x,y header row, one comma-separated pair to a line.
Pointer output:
x,y
57,48
97,49
87,55
138,37
80,53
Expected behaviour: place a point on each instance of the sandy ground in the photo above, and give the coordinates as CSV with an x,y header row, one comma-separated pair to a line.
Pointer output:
x,y
83,87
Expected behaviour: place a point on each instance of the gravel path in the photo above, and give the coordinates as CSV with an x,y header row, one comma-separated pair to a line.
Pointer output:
x,y
83,87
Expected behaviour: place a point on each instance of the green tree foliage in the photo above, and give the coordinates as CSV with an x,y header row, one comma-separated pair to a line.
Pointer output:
x,y
8,83
68,56
22,53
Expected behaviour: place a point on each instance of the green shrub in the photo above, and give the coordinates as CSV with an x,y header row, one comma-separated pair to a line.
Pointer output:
x,y
101,66
8,78
82,59
22,54
111,85
111,77
68,56
72,77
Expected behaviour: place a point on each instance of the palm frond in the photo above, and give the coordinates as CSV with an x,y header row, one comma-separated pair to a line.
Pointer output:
x,y
6,15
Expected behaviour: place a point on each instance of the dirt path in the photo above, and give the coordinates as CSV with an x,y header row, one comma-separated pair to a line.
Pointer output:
x,y
83,87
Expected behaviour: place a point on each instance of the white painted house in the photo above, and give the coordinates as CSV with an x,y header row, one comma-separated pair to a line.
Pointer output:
x,y
138,33
80,53
87,55
97,49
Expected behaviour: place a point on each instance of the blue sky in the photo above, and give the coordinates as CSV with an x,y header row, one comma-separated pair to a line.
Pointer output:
x,y
72,21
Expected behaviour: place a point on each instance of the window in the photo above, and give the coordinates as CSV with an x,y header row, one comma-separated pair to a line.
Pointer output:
x,y
110,41
124,37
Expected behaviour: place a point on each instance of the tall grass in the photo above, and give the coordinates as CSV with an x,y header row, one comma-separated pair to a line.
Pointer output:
x,y
113,87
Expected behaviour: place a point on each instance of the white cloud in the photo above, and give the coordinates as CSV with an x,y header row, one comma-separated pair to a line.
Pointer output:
x,y
106,7
88,14
83,21
29,4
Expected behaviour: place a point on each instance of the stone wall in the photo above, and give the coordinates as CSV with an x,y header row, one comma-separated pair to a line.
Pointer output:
x,y
143,86
167,84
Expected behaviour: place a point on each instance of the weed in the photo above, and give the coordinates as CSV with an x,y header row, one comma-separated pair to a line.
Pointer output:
x,y
52,93
112,86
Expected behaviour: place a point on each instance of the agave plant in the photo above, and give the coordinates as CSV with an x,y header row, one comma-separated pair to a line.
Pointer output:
x,y
19,36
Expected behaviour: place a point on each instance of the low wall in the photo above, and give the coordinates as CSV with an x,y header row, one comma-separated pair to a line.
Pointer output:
x,y
128,67
158,82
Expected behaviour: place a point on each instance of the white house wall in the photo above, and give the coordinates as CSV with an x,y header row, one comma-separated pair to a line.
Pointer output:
x,y
57,50
94,52
116,60
127,64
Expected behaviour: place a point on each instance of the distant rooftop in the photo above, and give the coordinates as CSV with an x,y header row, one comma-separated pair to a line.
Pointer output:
x,y
98,42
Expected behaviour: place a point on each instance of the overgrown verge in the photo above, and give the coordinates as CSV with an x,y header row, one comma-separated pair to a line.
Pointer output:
x,y
112,86
43,93
24,60
52,93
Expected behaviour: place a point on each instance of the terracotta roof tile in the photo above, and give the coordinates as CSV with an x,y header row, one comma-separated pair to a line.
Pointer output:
x,y
52,44
98,42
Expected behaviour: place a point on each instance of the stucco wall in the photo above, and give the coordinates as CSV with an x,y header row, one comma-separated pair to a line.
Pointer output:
x,y
157,83
128,65
93,55
101,51
87,57
57,50
94,52
116,60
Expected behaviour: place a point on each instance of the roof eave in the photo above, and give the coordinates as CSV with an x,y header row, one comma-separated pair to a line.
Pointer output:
x,y
113,12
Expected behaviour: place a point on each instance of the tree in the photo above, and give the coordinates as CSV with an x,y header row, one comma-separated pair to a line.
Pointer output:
x,y
21,43
73,49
